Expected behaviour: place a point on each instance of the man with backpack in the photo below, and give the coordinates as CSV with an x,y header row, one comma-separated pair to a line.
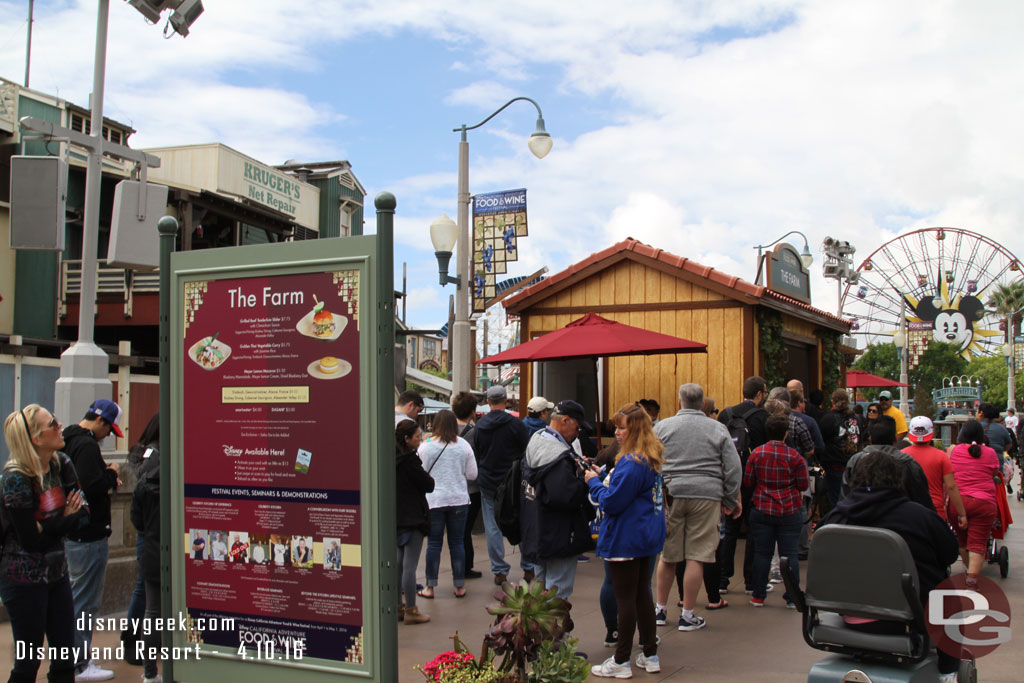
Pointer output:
x,y
499,440
745,422
702,474
841,432
555,511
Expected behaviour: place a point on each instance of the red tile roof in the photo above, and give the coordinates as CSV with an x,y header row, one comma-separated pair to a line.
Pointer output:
x,y
629,248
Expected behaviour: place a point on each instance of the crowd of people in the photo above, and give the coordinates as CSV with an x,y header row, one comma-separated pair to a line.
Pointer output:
x,y
672,496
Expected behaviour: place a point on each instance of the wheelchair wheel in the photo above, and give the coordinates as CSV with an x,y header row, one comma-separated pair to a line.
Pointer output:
x,y
1004,562
968,672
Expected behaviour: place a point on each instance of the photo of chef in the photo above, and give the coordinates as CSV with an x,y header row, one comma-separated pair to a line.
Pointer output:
x,y
281,549
332,553
239,551
198,545
302,551
259,549
219,546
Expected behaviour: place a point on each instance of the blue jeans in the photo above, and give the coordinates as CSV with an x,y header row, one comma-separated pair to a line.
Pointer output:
x,y
609,607
767,531
37,610
452,518
87,563
558,572
495,540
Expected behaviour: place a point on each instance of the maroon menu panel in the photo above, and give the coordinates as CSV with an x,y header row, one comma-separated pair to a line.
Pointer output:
x,y
272,462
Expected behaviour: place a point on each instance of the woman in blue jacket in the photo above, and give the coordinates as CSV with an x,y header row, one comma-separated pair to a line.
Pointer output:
x,y
632,531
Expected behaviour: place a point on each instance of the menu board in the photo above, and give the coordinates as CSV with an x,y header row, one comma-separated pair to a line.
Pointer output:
x,y
271,420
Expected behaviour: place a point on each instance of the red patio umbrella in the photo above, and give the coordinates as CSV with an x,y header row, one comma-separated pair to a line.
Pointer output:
x,y
856,379
592,337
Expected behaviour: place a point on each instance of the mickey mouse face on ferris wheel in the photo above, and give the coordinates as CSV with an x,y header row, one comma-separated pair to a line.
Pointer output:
x,y
952,325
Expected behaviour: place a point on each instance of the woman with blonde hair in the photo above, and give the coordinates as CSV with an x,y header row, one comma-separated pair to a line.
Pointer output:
x,y
41,501
632,533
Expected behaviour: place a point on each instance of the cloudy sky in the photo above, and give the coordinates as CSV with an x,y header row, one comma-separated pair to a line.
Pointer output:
x,y
700,127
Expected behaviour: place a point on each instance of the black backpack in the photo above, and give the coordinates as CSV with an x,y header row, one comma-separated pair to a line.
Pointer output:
x,y
507,502
740,433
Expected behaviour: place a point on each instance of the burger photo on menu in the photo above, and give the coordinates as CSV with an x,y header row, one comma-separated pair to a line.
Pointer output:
x,y
321,323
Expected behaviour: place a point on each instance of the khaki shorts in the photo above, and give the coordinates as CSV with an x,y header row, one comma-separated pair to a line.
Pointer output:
x,y
693,525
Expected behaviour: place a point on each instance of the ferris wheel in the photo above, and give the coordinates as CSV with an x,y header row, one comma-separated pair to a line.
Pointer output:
x,y
939,279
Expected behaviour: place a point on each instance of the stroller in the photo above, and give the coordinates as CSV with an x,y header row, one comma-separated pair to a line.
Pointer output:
x,y
855,571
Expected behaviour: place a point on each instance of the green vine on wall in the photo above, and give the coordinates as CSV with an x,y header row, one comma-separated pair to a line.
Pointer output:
x,y
831,360
772,347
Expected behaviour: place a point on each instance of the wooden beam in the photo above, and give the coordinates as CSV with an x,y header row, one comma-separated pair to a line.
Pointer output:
x,y
530,279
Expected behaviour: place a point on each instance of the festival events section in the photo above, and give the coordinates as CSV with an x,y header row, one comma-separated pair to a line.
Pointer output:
x,y
272,459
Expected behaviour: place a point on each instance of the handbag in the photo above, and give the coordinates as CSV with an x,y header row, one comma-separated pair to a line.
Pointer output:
x,y
437,458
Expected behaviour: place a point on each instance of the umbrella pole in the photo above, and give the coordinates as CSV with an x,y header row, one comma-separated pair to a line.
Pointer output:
x,y
597,403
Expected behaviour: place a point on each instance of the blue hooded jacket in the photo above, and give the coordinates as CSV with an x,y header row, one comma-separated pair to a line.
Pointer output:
x,y
634,510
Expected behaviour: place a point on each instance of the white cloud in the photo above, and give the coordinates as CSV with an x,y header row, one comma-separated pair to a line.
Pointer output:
x,y
702,128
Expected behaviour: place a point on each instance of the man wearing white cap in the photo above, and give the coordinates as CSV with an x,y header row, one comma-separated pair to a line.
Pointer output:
x,y
937,468
539,412
887,408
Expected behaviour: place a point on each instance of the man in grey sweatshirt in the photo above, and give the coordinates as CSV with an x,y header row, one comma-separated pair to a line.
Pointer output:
x,y
702,473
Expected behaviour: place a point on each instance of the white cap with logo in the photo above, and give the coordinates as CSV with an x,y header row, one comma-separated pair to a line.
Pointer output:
x,y
921,430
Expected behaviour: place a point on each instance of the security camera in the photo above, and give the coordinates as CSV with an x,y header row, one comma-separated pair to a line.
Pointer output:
x,y
185,15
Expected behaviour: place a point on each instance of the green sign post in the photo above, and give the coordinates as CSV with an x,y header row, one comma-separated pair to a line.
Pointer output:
x,y
278,478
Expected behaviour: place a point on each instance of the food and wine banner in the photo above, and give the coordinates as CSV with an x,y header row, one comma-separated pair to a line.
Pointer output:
x,y
271,443
499,220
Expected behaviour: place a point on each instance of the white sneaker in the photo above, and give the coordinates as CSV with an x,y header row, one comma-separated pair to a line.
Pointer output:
x,y
609,668
156,679
649,664
947,678
93,673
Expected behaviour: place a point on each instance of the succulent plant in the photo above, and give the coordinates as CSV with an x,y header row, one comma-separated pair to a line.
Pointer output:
x,y
526,617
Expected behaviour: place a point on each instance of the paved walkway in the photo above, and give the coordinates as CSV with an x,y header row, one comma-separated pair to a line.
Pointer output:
x,y
739,643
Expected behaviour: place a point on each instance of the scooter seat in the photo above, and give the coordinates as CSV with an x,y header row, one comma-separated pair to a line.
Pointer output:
x,y
832,632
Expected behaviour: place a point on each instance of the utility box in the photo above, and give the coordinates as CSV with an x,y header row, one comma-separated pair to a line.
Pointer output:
x,y
38,199
134,240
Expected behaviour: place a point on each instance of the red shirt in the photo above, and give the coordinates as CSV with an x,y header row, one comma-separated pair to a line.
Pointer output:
x,y
936,465
778,474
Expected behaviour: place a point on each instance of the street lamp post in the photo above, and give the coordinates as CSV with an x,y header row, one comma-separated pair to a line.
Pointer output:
x,y
901,341
459,348
806,258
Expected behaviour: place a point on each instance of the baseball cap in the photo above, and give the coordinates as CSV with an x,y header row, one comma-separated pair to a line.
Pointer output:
x,y
885,394
109,411
921,430
496,393
574,410
539,404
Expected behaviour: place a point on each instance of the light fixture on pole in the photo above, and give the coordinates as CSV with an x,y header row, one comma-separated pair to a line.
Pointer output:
x,y
84,366
443,234
460,348
806,258
839,266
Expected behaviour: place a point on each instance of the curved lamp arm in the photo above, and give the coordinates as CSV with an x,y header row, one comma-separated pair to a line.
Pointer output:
x,y
805,256
540,141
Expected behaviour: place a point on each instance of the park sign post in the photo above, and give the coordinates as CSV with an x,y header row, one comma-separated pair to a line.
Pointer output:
x,y
281,487
786,273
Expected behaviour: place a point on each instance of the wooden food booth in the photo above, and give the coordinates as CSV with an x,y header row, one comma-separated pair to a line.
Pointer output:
x,y
749,329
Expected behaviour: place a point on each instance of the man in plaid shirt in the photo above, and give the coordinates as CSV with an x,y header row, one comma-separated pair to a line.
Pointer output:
x,y
777,474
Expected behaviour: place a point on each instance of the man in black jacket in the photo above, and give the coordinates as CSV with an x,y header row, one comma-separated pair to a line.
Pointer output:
x,y
499,439
86,547
755,391
556,513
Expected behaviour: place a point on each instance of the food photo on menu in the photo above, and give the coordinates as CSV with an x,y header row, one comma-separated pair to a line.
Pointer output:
x,y
329,367
321,323
209,353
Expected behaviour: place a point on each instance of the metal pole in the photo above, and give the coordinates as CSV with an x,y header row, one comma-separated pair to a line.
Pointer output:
x,y
168,229
462,360
1011,367
83,367
28,44
904,390
385,436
